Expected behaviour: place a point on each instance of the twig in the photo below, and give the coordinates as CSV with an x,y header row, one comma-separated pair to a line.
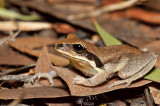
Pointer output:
x,y
24,26
22,78
11,71
149,99
109,8
9,38
17,102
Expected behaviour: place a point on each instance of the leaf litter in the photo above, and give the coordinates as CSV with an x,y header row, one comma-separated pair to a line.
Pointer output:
x,y
129,31
67,75
12,57
9,38
44,65
35,92
78,90
27,45
146,16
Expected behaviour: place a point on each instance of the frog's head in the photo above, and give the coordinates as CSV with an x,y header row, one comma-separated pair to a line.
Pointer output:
x,y
77,49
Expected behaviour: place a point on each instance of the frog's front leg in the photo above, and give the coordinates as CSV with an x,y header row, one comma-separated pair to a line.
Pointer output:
x,y
50,75
97,79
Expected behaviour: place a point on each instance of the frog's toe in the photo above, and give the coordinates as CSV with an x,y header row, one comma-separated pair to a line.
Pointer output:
x,y
128,83
119,83
48,76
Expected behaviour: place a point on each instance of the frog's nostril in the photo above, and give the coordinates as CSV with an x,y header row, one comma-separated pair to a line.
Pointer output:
x,y
59,46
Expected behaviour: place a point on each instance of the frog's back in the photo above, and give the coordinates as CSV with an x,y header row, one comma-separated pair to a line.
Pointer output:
x,y
113,53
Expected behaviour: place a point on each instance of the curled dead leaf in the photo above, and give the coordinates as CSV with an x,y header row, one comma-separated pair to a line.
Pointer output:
x,y
77,90
36,92
44,65
155,94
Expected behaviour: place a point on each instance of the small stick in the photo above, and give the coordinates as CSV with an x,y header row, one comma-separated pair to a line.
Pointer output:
x,y
9,38
149,99
108,8
24,26
22,78
17,102
11,71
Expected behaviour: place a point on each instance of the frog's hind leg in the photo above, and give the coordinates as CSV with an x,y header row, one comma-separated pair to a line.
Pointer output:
x,y
144,70
136,64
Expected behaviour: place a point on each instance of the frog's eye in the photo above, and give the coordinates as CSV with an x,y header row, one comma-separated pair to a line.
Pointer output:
x,y
78,48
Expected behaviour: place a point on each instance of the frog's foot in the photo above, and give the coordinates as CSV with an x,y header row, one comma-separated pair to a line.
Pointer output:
x,y
49,76
81,81
128,82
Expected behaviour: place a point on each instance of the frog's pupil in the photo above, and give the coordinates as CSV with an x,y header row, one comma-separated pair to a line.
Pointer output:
x,y
78,48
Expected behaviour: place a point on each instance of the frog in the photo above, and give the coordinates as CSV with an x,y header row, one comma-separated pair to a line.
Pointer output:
x,y
102,63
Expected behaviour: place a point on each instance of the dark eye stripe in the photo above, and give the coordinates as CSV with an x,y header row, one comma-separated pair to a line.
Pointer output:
x,y
93,57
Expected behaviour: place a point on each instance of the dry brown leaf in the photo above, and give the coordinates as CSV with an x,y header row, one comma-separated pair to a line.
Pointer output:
x,y
155,94
36,92
27,45
63,28
145,16
78,90
44,65
10,57
33,42
55,59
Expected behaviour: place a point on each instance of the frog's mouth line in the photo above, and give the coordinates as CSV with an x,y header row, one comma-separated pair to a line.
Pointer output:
x,y
72,57
90,58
